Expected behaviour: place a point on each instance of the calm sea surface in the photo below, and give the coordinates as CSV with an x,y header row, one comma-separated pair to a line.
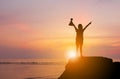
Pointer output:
x,y
31,69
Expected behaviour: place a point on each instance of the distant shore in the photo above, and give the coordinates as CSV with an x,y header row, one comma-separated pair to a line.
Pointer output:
x,y
36,63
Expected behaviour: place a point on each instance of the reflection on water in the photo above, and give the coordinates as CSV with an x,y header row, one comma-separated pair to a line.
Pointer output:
x,y
30,71
38,70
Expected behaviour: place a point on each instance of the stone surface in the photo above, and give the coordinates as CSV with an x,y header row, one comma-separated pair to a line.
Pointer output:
x,y
91,68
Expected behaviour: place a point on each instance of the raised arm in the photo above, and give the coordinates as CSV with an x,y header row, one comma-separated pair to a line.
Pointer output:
x,y
87,25
72,24
75,27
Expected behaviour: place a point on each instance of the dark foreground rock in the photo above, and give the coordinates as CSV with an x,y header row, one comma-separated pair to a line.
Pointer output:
x,y
91,68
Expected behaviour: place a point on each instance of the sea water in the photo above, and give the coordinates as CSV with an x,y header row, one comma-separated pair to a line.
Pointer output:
x,y
31,69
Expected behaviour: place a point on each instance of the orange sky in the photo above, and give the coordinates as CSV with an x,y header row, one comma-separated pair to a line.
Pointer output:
x,y
39,29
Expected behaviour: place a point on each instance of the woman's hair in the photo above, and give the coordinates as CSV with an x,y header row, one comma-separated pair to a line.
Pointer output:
x,y
80,26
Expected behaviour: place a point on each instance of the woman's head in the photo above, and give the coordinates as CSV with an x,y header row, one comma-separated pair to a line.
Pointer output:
x,y
80,26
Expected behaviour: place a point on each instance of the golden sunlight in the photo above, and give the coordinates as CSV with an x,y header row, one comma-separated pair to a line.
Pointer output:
x,y
71,54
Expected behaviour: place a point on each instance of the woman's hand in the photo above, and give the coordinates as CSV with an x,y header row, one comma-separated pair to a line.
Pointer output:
x,y
90,22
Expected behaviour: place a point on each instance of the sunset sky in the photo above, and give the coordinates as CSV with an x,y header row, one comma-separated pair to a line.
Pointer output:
x,y
39,28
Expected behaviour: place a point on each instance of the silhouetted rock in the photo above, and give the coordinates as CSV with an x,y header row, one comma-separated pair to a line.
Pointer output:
x,y
91,68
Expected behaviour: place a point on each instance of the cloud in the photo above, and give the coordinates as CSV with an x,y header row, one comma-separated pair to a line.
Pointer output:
x,y
7,19
55,48
107,47
17,52
105,1
8,22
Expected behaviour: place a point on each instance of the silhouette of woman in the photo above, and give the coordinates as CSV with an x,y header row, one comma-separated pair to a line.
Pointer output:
x,y
79,35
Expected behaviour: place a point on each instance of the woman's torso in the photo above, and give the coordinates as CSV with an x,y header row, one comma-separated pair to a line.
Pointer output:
x,y
79,34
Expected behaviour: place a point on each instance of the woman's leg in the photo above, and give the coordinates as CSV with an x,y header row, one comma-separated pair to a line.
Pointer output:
x,y
77,46
81,45
81,50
